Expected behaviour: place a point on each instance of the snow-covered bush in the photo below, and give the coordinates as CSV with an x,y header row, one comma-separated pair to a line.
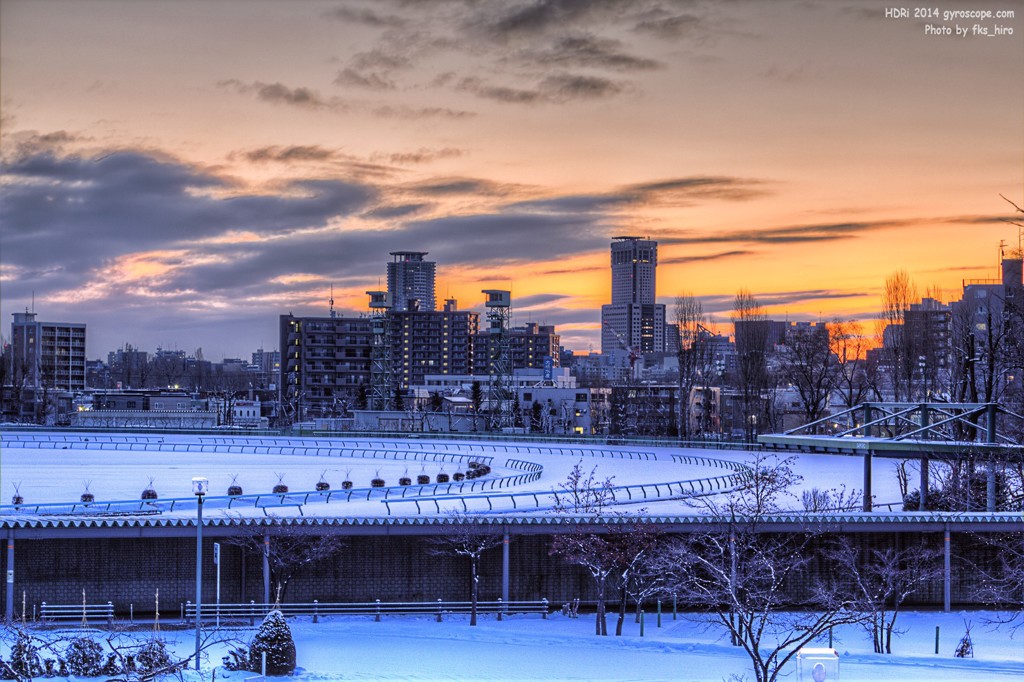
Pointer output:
x,y
84,657
25,657
275,638
153,656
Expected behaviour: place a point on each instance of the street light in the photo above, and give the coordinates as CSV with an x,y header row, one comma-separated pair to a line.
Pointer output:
x,y
199,488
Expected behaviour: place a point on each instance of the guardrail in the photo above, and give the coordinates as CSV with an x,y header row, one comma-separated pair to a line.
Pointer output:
x,y
49,613
636,492
252,611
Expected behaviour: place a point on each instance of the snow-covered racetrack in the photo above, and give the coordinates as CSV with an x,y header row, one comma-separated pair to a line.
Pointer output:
x,y
50,468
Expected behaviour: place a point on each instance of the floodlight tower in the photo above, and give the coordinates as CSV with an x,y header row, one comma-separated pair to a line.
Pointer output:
x,y
499,366
380,351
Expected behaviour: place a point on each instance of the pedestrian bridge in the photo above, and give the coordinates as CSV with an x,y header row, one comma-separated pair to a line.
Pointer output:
x,y
985,432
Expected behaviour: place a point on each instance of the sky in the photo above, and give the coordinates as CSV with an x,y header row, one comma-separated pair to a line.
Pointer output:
x,y
180,173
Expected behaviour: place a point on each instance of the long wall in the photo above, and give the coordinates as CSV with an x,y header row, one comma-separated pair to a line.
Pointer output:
x,y
128,572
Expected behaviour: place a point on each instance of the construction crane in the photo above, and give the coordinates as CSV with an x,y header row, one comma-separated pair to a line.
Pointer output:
x,y
634,353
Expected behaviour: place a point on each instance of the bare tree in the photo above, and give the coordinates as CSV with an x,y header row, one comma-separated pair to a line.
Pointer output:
x,y
745,577
585,499
462,536
899,292
849,346
694,355
882,579
288,548
751,331
807,364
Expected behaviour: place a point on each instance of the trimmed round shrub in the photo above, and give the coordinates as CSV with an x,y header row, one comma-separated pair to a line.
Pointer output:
x,y
88,497
458,476
377,483
280,488
149,494
153,657
443,477
346,485
322,486
275,638
84,657
405,480
422,479
234,489
25,657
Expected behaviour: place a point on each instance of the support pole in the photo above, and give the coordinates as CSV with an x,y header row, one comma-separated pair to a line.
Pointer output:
x,y
923,501
266,568
947,571
504,568
9,601
990,487
199,572
991,423
867,481
867,420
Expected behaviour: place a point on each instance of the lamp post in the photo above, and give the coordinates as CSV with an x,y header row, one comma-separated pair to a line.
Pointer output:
x,y
199,487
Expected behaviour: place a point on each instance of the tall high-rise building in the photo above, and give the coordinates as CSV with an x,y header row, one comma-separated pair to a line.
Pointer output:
x,y
411,281
634,268
48,354
633,322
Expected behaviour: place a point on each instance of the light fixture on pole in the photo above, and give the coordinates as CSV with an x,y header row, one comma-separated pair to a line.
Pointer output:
x,y
199,488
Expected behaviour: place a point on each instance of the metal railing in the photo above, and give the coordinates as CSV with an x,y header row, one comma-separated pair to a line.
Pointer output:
x,y
251,612
79,612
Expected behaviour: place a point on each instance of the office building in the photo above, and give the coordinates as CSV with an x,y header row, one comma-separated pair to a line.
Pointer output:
x,y
47,354
411,281
634,322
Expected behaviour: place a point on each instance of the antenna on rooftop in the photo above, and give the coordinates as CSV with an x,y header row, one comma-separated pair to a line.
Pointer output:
x,y
333,314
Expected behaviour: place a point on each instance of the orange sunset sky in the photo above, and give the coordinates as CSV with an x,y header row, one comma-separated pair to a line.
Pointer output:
x,y
179,173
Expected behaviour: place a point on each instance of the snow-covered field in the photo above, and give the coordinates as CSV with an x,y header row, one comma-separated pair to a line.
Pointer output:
x,y
61,474
417,649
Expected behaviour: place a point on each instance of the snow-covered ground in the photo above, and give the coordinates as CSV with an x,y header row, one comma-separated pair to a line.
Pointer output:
x,y
61,474
417,649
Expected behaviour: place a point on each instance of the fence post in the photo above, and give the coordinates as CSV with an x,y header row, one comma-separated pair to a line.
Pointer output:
x,y
936,640
184,617
377,617
641,622
659,613
673,607
500,609
316,611
252,612
438,610
131,614
110,614
42,612
545,601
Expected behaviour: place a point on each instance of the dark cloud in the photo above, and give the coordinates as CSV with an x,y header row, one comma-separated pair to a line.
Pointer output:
x,y
369,81
381,59
423,155
788,234
416,113
74,213
367,17
703,257
470,186
554,89
589,51
278,93
289,154
724,303
392,212
506,237
661,24
669,192
532,18
524,302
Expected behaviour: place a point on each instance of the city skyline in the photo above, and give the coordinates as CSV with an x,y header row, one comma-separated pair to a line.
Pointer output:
x,y
179,174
